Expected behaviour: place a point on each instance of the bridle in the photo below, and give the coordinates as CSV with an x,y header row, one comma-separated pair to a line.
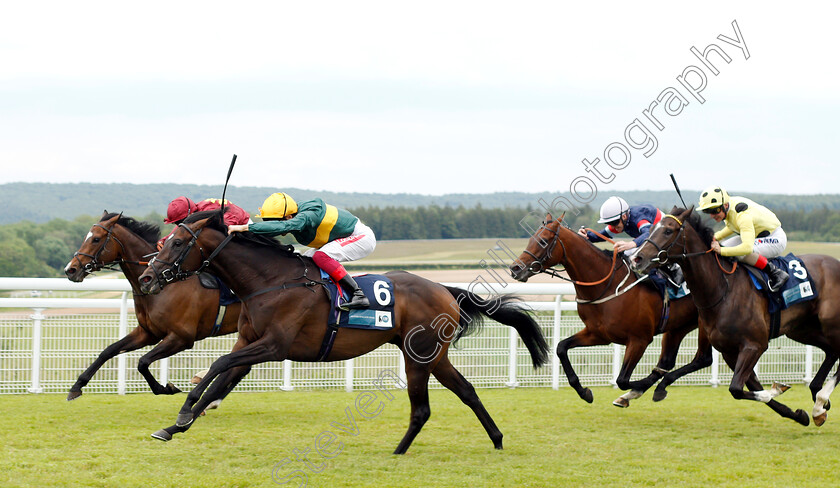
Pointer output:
x,y
95,264
174,271
538,265
664,253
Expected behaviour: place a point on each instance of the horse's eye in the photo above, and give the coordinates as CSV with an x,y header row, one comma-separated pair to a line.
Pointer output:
x,y
668,231
96,240
177,242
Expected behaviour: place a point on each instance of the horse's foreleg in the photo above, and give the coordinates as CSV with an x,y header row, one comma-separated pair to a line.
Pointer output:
x,y
135,339
417,378
702,359
800,416
581,339
257,352
452,379
632,354
171,344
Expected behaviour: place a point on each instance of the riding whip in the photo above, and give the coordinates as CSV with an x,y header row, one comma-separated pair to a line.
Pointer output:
x,y
230,170
677,187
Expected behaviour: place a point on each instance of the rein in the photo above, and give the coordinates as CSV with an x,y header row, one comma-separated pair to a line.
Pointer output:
x,y
549,270
95,263
663,253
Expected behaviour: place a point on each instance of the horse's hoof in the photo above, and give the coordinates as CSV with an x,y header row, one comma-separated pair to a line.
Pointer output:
x,y
162,435
73,395
196,380
586,395
172,389
621,402
214,405
660,395
780,388
802,417
184,419
820,419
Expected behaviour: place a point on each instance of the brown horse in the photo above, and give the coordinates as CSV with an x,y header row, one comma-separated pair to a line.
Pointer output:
x,y
288,311
173,320
735,315
630,317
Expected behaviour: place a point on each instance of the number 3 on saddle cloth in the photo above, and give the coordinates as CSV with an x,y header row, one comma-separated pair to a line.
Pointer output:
x,y
378,316
798,288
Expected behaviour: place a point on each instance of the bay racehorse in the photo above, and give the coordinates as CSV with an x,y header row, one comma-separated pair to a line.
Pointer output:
x,y
173,320
735,315
612,310
288,308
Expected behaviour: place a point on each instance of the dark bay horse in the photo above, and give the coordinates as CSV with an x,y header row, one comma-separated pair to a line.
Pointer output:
x,y
735,316
631,318
173,320
287,311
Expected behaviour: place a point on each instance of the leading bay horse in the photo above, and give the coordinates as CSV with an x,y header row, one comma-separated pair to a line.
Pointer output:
x,y
735,316
288,309
173,320
631,317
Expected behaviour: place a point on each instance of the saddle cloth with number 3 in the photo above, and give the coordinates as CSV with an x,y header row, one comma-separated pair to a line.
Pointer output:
x,y
798,288
379,316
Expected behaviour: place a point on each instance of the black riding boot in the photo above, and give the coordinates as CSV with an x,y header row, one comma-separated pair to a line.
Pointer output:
x,y
778,276
357,296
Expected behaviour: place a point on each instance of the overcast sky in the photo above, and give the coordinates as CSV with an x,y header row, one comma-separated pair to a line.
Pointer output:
x,y
424,97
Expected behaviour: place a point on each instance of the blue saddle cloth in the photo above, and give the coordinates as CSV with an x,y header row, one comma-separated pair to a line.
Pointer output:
x,y
665,286
798,288
379,316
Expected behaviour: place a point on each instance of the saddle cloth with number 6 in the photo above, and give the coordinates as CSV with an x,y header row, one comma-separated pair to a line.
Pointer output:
x,y
798,288
379,316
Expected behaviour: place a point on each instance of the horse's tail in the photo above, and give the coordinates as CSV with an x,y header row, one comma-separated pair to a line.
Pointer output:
x,y
506,310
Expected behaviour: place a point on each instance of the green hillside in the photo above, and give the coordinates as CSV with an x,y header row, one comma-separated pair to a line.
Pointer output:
x,y
41,202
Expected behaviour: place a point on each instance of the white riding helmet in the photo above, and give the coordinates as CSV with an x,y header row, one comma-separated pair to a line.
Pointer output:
x,y
613,209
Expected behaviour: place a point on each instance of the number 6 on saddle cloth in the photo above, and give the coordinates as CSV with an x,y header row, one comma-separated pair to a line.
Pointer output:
x,y
378,316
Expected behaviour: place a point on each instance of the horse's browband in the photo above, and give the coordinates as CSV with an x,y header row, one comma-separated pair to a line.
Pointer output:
x,y
678,220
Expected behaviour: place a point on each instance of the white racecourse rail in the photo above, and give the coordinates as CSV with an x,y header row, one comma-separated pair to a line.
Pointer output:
x,y
46,341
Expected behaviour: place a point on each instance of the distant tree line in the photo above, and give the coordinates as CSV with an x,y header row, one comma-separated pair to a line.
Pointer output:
x,y
42,250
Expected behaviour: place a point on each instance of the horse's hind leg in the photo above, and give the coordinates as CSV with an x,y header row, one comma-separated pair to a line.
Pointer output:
x,y
417,377
816,383
452,379
581,339
821,399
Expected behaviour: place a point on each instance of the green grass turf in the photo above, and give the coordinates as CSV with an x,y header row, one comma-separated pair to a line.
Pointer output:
x,y
698,436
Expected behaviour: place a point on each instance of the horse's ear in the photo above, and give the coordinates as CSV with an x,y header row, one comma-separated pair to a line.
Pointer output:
x,y
688,212
104,213
548,217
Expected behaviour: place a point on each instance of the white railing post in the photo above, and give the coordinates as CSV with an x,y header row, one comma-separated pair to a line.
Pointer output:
x,y
809,365
715,379
37,317
512,338
122,364
287,376
555,361
348,375
616,364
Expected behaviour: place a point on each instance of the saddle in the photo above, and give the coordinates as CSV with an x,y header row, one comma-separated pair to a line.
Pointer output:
x,y
378,316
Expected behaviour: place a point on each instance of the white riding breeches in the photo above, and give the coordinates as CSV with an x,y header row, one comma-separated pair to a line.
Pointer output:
x,y
771,246
355,246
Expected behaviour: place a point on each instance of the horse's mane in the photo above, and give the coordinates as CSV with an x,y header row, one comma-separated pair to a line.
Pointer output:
x,y
250,239
696,222
145,230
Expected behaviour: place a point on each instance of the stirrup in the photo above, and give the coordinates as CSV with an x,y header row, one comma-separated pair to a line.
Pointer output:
x,y
357,300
